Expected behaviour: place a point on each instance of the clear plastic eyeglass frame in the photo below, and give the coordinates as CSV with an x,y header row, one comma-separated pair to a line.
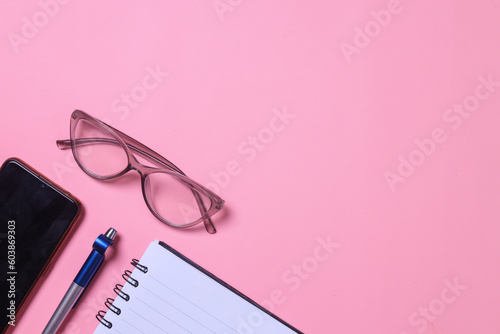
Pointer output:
x,y
131,147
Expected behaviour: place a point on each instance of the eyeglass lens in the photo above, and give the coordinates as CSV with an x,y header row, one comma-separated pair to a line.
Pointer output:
x,y
98,150
173,199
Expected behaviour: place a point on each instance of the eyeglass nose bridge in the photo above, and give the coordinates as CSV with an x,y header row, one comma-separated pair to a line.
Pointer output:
x,y
141,168
134,164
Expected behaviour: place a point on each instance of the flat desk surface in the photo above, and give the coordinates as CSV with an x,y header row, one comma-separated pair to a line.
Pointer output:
x,y
355,144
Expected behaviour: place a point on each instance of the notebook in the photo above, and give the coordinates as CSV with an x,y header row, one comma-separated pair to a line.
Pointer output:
x,y
168,293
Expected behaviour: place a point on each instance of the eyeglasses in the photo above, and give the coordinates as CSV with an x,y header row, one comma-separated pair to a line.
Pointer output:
x,y
105,153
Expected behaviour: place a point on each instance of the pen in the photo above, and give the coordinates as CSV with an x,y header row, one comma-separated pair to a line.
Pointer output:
x,y
81,281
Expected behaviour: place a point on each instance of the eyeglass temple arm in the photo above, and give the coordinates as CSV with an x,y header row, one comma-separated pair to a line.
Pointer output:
x,y
146,152
152,156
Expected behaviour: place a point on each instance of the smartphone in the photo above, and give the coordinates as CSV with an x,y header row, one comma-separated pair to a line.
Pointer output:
x,y
36,218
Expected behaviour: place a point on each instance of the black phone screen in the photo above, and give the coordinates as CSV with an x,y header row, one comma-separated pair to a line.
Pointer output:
x,y
35,218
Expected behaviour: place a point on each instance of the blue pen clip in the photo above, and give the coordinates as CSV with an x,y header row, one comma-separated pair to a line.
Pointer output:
x,y
82,280
94,260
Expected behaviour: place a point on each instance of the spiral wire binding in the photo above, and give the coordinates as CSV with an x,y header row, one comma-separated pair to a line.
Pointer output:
x,y
118,290
100,316
130,280
139,266
127,276
111,307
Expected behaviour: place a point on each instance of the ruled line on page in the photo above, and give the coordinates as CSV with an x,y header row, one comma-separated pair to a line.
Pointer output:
x,y
164,315
190,302
178,309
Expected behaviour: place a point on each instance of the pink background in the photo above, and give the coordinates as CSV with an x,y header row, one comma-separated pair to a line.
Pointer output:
x,y
369,88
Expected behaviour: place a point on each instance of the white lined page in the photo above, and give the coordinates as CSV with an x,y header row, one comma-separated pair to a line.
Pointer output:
x,y
174,297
